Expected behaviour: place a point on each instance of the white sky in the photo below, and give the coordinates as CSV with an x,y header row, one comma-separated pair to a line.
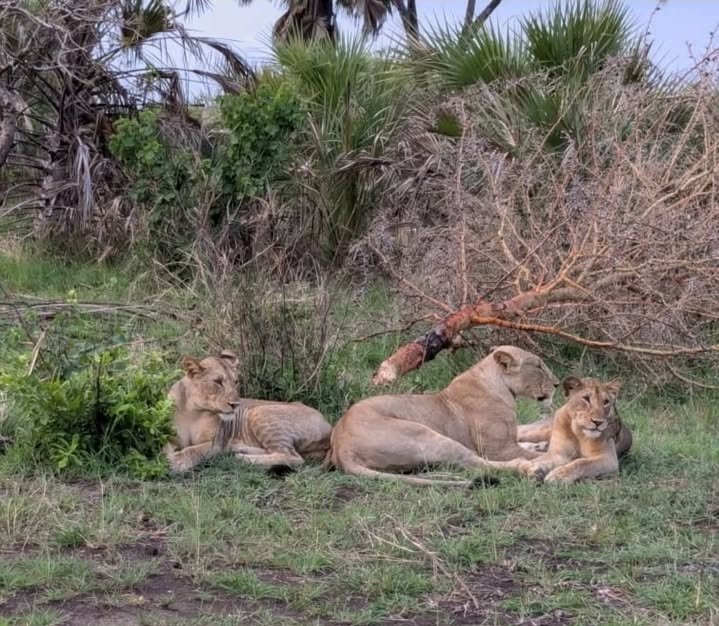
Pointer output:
x,y
677,25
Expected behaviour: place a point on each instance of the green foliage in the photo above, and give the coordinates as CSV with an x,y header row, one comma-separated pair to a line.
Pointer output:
x,y
112,408
187,185
162,178
355,103
459,59
260,127
577,36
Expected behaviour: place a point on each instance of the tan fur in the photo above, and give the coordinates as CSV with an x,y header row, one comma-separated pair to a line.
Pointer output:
x,y
470,423
587,435
211,418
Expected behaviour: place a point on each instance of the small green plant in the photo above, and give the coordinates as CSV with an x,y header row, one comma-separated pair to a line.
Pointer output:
x,y
112,409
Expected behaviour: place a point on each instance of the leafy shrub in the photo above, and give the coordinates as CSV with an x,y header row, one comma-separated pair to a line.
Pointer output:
x,y
162,179
188,185
112,410
259,126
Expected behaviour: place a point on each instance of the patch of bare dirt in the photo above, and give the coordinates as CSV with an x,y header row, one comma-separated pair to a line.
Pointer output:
x,y
165,595
345,494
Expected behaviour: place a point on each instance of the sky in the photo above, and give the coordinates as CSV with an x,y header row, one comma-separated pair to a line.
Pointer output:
x,y
676,28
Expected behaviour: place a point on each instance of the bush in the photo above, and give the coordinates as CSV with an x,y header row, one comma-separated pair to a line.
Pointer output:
x,y
111,410
190,183
355,104
259,126
162,181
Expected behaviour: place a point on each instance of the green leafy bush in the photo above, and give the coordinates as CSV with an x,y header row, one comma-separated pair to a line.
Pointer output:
x,y
203,183
162,179
259,126
112,410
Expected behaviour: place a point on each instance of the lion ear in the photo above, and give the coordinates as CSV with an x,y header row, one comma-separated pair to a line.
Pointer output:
x,y
505,360
230,358
572,384
613,387
192,366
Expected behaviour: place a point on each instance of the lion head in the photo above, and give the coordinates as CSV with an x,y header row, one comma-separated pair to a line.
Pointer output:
x,y
592,406
525,374
211,384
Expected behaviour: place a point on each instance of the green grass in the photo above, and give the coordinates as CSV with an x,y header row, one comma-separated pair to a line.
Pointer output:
x,y
230,544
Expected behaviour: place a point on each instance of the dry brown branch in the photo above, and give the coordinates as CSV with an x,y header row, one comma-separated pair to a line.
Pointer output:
x,y
612,244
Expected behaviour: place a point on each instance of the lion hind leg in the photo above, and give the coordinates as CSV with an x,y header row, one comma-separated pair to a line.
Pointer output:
x,y
414,446
272,459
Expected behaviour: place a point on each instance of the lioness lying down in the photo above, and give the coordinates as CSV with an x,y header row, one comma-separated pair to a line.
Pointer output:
x,y
587,435
211,418
474,417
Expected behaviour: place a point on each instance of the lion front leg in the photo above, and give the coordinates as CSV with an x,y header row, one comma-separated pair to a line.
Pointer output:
x,y
187,458
543,465
582,469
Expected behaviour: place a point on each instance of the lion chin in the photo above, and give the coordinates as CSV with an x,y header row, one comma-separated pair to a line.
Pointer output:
x,y
592,433
227,417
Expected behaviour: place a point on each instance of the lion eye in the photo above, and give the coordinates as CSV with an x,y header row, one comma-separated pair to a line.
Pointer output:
x,y
218,381
607,402
587,398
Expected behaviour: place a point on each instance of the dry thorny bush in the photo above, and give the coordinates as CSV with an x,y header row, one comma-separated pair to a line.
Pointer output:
x,y
279,326
611,244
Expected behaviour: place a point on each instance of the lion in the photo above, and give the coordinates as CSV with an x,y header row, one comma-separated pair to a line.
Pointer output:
x,y
587,436
470,423
211,419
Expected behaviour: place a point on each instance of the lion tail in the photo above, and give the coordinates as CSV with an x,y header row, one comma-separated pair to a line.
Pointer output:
x,y
355,468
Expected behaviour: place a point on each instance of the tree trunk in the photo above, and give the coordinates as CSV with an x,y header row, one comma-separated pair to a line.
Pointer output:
x,y
486,12
410,22
326,12
469,14
10,109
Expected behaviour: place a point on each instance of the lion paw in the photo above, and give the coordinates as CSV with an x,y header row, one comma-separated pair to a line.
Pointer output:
x,y
180,463
560,476
541,446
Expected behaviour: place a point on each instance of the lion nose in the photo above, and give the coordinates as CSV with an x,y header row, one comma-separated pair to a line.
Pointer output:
x,y
556,384
597,422
234,405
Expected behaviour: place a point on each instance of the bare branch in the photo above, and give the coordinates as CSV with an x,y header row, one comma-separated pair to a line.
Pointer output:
x,y
486,12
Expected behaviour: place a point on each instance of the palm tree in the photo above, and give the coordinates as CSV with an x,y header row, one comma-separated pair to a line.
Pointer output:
x,y
316,19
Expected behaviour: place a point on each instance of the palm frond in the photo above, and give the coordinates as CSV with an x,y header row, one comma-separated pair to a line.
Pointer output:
x,y
458,58
142,20
578,33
